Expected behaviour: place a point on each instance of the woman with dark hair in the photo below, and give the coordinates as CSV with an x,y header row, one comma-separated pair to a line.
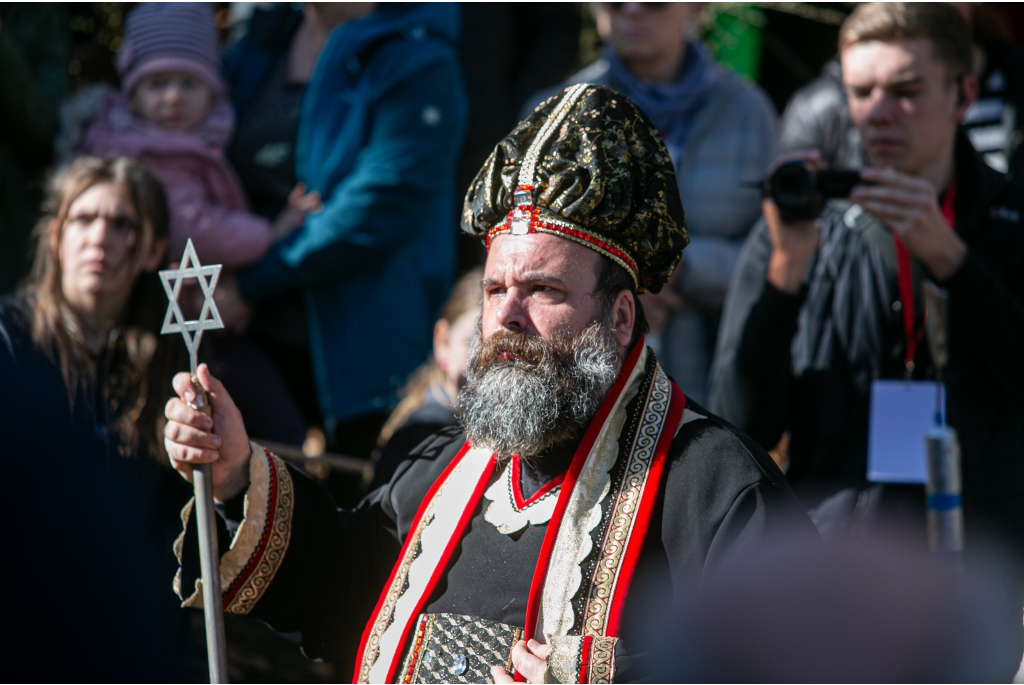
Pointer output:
x,y
84,376
85,306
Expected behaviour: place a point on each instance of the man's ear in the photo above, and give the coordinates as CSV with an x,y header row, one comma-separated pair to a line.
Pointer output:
x,y
968,92
624,317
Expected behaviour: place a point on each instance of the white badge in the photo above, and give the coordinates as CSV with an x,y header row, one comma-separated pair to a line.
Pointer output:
x,y
902,412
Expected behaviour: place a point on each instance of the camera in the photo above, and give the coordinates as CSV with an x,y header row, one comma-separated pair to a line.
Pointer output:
x,y
800,193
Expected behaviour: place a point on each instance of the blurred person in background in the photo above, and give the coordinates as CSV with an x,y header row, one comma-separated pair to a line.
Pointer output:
x,y
432,390
33,81
815,312
85,376
817,117
269,71
719,130
172,114
365,106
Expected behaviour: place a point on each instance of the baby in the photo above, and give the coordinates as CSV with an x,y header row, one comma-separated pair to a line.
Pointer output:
x,y
173,115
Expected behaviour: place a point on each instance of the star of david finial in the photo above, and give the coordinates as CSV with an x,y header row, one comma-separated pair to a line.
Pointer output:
x,y
209,317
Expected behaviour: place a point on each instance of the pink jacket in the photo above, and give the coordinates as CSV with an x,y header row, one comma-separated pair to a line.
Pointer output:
x,y
205,197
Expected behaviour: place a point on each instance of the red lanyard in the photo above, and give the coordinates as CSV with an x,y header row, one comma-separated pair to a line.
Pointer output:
x,y
905,280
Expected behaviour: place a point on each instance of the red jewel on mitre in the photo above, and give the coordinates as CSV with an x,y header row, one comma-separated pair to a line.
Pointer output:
x,y
526,218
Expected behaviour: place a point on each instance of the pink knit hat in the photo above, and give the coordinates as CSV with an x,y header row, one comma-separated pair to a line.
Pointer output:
x,y
170,36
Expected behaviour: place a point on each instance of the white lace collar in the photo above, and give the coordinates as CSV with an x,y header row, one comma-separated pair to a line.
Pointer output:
x,y
509,511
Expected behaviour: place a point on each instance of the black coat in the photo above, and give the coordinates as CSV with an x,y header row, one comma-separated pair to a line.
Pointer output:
x,y
89,565
804,363
721,495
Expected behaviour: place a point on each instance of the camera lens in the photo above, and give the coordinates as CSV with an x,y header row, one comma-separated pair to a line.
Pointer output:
x,y
792,185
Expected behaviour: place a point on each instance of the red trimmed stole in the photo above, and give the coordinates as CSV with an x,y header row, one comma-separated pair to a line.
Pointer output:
x,y
452,501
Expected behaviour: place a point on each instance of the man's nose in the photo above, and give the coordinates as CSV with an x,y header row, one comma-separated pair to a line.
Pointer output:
x,y
511,314
881,106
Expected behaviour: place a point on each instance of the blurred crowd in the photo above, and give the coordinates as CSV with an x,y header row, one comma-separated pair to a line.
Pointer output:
x,y
320,153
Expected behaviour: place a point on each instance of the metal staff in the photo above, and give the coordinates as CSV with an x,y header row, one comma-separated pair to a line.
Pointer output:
x,y
209,553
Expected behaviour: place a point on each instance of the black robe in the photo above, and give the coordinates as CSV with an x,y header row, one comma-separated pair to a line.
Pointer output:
x,y
720,496
88,531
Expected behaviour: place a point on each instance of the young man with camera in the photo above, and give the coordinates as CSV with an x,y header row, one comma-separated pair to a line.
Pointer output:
x,y
820,308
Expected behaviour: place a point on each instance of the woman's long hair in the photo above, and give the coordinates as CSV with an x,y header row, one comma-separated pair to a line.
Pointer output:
x,y
55,328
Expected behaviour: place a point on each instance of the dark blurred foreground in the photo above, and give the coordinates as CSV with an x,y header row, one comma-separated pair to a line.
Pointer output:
x,y
855,611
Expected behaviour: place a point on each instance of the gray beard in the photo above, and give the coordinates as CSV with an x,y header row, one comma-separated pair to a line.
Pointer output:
x,y
527,408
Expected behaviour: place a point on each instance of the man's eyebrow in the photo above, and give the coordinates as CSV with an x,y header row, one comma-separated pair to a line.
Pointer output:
x,y
898,81
910,79
543,277
540,277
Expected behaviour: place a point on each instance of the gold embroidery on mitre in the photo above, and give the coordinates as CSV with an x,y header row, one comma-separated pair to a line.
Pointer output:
x,y
529,165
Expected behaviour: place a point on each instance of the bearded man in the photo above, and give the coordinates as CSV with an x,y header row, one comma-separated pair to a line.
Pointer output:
x,y
583,494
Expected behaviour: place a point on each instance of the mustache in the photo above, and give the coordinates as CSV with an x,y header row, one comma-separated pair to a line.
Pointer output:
x,y
519,350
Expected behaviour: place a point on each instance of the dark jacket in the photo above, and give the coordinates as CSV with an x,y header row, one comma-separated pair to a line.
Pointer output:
x,y
804,363
90,531
429,418
379,137
817,117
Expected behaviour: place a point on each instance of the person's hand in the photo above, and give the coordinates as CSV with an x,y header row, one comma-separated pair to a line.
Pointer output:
x,y
300,204
529,660
793,242
235,312
908,205
191,437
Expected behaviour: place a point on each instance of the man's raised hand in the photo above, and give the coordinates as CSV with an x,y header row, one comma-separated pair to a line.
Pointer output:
x,y
191,437
908,205
793,243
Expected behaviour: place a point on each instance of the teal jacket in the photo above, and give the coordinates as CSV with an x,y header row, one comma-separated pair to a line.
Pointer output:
x,y
379,137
